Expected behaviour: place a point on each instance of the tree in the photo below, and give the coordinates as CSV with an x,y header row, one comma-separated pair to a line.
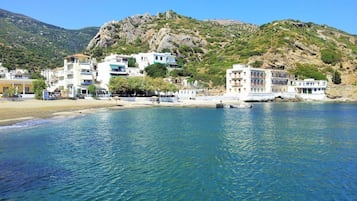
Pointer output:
x,y
38,87
156,70
131,62
336,78
135,84
118,85
92,89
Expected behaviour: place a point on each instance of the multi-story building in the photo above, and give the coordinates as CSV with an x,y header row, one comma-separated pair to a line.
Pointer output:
x,y
112,66
279,81
248,83
74,77
145,59
244,80
80,71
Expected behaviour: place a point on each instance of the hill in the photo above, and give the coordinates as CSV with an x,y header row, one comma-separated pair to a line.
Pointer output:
x,y
31,44
207,48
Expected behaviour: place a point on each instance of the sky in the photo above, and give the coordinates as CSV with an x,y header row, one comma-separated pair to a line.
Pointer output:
x,y
76,14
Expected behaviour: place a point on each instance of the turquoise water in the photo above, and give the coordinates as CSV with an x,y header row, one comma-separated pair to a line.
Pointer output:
x,y
285,151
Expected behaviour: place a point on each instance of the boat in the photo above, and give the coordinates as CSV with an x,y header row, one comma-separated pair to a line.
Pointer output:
x,y
241,106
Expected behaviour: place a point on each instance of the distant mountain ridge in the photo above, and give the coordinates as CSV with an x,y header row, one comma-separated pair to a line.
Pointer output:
x,y
29,43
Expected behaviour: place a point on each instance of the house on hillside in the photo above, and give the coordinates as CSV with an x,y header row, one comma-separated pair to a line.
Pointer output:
x,y
146,59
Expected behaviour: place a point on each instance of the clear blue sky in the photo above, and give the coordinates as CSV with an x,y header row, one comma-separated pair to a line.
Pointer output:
x,y
75,14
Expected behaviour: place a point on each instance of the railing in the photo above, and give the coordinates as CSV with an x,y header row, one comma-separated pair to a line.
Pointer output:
x,y
237,85
86,73
118,72
86,83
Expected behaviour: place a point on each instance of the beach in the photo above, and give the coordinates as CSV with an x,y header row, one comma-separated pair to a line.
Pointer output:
x,y
12,112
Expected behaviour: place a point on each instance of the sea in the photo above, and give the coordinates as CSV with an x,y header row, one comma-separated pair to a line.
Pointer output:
x,y
273,151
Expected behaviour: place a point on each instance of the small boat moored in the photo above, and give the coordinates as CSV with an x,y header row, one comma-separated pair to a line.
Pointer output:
x,y
241,106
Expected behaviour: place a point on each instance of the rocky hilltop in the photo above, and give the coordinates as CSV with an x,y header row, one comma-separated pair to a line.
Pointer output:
x,y
167,31
207,48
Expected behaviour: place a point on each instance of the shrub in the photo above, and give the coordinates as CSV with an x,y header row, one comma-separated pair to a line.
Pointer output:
x,y
257,63
336,78
156,70
330,57
38,87
308,71
131,62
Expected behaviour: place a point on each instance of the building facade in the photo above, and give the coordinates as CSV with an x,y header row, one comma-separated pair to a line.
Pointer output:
x,y
112,66
146,59
79,71
73,78
256,84
18,79
309,88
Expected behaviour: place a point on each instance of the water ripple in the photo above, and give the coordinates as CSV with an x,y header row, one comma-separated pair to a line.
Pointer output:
x,y
272,152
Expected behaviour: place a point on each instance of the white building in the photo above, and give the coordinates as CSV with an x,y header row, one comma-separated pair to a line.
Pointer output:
x,y
146,59
309,88
246,82
256,84
73,78
112,66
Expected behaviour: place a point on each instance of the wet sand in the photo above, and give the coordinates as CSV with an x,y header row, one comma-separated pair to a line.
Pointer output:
x,y
12,112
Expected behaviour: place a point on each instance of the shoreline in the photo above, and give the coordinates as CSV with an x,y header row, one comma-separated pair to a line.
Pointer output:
x,y
13,112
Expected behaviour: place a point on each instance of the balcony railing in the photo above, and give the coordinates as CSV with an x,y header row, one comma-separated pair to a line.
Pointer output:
x,y
86,73
237,85
85,83
236,78
117,72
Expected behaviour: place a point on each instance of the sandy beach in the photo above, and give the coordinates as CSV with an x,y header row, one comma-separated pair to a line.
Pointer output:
x,y
16,111
12,112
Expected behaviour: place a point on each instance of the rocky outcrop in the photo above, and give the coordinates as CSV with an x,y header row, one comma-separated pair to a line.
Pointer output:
x,y
165,31
303,47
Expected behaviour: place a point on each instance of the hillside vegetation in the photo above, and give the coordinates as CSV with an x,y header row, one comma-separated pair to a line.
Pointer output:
x,y
31,44
207,48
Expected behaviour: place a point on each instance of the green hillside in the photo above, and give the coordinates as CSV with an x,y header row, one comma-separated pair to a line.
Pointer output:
x,y
207,48
31,44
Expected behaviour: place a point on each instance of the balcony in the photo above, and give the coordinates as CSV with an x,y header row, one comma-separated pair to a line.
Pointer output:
x,y
237,85
86,83
117,70
118,73
69,72
236,78
86,72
